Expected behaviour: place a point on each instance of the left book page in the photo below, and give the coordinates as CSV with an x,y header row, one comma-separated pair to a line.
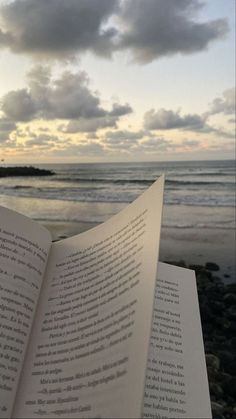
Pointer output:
x,y
24,249
88,350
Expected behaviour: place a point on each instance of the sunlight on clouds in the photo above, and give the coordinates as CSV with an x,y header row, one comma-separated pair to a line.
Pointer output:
x,y
144,104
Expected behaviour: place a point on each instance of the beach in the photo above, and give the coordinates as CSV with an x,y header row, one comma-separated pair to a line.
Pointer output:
x,y
198,232
198,224
190,245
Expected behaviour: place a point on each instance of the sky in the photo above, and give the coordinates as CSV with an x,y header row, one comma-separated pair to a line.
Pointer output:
x,y
116,80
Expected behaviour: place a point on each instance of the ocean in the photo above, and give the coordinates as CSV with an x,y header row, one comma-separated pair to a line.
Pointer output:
x,y
197,194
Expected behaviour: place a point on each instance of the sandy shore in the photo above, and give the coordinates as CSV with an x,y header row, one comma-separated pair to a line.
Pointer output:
x,y
198,246
61,230
194,246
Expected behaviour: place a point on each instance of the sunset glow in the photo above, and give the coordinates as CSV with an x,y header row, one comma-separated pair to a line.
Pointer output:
x,y
132,80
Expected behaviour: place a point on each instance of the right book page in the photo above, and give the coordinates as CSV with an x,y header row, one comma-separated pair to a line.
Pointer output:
x,y
176,380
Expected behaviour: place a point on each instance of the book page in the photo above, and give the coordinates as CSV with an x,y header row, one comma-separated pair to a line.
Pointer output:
x,y
176,381
24,247
89,351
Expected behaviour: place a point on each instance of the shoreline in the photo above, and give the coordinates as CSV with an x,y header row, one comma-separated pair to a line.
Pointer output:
x,y
195,246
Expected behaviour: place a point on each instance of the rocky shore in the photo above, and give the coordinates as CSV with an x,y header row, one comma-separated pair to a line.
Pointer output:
x,y
24,171
217,303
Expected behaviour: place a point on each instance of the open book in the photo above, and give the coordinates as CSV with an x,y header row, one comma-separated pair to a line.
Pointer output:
x,y
89,328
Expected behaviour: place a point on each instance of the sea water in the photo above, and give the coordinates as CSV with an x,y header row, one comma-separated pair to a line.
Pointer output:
x,y
198,194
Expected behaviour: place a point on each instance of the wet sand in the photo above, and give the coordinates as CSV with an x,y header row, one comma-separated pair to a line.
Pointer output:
x,y
199,246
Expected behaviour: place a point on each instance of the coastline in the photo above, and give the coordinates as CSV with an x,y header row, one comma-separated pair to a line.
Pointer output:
x,y
195,246
199,246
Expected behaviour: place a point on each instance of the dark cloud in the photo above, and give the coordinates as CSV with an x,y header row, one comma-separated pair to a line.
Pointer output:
x,y
57,27
167,119
6,127
190,143
151,145
148,28
19,105
116,136
89,148
220,132
120,110
67,97
122,140
88,125
224,104
41,140
157,28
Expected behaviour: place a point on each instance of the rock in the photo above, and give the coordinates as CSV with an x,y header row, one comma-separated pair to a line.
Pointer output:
x,y
206,314
228,362
212,361
231,288
196,268
222,322
177,263
223,378
229,299
219,338
217,408
212,374
24,171
216,389
230,329
230,387
231,313
210,266
216,279
217,307
233,342
202,279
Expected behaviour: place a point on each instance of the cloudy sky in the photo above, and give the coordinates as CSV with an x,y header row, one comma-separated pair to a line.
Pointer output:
x,y
116,80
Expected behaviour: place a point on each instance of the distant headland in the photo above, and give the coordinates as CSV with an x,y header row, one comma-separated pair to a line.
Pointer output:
x,y
24,171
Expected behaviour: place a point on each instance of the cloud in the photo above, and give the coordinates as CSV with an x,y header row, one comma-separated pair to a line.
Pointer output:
x,y
167,119
88,125
157,28
90,148
190,143
120,110
224,104
151,145
117,136
149,29
108,120
122,140
67,97
6,127
57,27
41,140
19,105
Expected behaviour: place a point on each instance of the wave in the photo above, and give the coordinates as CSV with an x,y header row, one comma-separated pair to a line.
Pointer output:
x,y
101,218
111,197
23,187
146,182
